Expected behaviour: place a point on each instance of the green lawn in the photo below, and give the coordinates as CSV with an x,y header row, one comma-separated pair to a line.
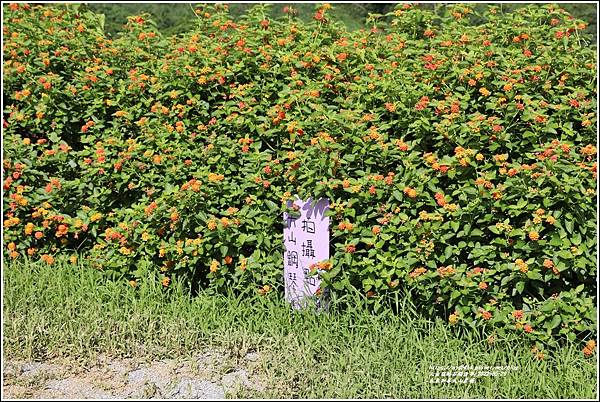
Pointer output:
x,y
75,312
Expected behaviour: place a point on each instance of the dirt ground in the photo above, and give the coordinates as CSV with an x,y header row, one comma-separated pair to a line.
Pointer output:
x,y
208,375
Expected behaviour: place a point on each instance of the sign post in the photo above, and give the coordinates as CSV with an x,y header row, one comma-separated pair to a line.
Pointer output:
x,y
306,241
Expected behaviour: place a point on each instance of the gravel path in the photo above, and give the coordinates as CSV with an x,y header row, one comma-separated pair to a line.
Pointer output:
x,y
207,376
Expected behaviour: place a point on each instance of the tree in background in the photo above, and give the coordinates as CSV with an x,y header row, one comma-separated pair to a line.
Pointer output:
x,y
177,18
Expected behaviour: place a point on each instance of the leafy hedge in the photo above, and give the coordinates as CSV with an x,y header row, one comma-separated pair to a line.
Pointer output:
x,y
459,158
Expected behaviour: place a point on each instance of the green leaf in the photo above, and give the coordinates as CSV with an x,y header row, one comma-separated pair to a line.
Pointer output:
x,y
520,286
493,229
554,323
569,226
565,254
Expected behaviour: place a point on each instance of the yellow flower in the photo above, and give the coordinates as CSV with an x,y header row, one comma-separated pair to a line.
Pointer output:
x,y
522,265
214,266
484,91
215,177
453,319
145,236
95,217
29,228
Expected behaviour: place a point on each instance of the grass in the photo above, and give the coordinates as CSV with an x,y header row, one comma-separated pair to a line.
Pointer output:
x,y
75,312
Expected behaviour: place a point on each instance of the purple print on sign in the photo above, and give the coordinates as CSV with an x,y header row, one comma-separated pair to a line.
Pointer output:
x,y
306,241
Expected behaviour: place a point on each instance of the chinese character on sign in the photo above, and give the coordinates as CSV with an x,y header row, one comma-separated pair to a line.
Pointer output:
x,y
291,221
292,259
292,280
291,238
311,280
308,226
307,249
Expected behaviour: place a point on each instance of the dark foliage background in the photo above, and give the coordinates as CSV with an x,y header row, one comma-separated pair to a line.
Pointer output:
x,y
177,18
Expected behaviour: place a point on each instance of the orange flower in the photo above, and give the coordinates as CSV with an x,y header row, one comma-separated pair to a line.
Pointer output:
x,y
486,315
228,259
589,348
48,259
548,263
402,145
417,272
212,225
150,208
376,230
483,285
533,235
350,248
166,280
517,314
264,290
410,192
62,230
446,271
528,328
324,265
345,226
439,197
